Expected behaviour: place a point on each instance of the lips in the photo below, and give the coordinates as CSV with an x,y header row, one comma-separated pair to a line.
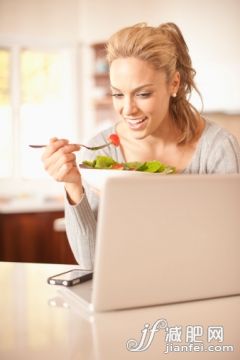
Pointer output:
x,y
136,123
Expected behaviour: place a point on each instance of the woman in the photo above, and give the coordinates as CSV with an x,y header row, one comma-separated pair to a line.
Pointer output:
x,y
151,78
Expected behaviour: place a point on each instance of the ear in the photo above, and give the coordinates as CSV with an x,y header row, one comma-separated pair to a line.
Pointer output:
x,y
175,83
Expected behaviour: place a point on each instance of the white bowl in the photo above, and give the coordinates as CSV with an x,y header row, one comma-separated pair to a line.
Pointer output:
x,y
97,177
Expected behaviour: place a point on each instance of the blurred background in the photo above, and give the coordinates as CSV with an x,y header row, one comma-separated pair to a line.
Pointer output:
x,y
54,82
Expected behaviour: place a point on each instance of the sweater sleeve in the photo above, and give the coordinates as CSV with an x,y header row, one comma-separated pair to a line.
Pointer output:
x,y
81,231
81,223
81,219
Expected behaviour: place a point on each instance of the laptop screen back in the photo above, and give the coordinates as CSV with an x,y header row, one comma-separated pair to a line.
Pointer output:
x,y
164,239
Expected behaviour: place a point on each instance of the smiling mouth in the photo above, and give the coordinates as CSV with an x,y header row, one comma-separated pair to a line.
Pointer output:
x,y
135,122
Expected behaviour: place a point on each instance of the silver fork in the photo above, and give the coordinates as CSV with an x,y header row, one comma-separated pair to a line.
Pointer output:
x,y
94,148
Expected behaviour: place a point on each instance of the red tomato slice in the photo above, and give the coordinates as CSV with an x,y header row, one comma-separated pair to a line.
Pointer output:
x,y
117,166
114,139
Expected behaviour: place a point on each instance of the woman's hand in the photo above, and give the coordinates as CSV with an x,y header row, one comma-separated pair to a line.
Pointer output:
x,y
60,163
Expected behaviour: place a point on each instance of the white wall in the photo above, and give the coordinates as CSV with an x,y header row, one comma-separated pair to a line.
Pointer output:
x,y
52,20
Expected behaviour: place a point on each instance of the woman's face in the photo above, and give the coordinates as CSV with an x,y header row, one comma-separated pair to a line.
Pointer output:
x,y
141,95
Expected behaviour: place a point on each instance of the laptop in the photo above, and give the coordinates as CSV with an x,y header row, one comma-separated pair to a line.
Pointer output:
x,y
164,239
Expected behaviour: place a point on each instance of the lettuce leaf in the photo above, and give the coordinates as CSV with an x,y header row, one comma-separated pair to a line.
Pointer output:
x,y
106,162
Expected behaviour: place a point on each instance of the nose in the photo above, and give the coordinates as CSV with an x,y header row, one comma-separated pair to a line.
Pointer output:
x,y
129,106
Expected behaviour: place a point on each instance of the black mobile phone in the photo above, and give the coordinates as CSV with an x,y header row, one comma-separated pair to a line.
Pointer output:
x,y
71,277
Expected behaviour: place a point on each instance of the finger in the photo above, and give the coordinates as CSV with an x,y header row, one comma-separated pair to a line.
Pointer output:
x,y
63,171
53,146
52,140
53,161
60,161
65,149
69,148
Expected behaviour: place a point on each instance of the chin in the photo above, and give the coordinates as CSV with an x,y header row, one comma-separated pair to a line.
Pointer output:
x,y
139,135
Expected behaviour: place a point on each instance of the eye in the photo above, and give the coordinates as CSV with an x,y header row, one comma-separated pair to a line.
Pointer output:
x,y
117,95
144,95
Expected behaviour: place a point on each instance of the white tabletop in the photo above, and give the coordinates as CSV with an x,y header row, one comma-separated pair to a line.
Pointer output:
x,y
36,322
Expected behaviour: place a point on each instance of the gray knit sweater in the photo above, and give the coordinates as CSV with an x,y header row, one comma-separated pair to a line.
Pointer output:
x,y
217,152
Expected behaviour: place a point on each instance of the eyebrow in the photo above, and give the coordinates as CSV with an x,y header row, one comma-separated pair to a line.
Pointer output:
x,y
138,88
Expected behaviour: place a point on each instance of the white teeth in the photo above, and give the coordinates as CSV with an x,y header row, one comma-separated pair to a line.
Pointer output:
x,y
135,121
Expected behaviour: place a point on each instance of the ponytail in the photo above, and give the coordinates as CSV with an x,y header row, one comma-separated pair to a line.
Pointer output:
x,y
182,111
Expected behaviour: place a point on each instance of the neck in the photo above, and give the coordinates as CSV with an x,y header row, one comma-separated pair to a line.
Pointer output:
x,y
166,133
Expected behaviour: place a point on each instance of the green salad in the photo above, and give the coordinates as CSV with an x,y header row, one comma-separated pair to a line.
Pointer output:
x,y
106,162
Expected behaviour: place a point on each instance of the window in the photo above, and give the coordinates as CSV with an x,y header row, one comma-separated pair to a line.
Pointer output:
x,y
37,92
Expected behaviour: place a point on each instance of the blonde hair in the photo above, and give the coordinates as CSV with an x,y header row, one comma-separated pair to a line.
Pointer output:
x,y
165,49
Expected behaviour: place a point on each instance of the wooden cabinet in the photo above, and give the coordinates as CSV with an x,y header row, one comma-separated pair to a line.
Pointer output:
x,y
30,237
102,100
